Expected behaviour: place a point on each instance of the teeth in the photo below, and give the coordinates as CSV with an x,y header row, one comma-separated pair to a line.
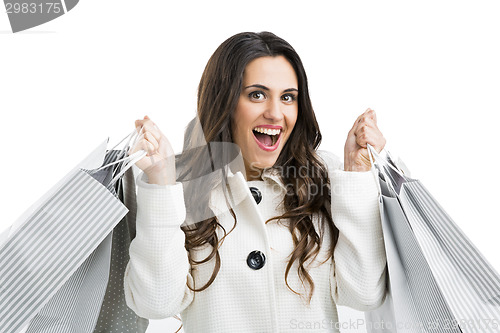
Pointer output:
x,y
267,131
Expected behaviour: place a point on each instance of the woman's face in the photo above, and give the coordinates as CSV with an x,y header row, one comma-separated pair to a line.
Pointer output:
x,y
266,112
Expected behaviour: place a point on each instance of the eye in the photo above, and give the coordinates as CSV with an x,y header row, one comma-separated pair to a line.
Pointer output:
x,y
257,95
288,98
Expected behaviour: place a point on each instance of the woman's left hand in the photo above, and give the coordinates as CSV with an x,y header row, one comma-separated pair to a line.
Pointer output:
x,y
363,131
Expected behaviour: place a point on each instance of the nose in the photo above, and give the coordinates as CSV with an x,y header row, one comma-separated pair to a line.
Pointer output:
x,y
274,110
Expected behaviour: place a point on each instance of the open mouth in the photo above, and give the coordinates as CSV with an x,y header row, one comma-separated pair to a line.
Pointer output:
x,y
267,138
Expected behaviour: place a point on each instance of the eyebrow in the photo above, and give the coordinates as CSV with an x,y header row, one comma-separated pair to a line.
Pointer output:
x,y
260,86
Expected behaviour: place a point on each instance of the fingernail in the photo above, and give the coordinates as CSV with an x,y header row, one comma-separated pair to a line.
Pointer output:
x,y
146,117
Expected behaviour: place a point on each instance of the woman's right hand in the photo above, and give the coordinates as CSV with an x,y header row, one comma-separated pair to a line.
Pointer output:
x,y
159,163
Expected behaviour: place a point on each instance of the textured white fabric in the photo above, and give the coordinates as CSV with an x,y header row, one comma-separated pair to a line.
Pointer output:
x,y
242,299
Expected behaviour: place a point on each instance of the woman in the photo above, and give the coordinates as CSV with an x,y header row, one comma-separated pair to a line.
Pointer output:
x,y
304,231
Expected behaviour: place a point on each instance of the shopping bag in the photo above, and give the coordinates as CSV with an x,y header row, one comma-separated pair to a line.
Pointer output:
x,y
115,316
414,302
76,305
53,241
467,282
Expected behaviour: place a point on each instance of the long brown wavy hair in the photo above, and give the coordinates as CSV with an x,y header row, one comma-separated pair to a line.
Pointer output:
x,y
218,93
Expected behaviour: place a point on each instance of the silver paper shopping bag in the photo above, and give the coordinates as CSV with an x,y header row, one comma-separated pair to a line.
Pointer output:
x,y
51,243
76,305
468,282
115,316
415,301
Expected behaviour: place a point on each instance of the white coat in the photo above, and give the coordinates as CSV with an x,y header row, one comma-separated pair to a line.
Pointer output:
x,y
242,298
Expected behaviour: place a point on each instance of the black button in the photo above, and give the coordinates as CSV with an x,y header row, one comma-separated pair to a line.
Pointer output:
x,y
256,260
256,194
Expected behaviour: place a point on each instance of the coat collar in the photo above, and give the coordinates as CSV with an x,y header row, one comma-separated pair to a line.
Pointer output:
x,y
238,190
273,175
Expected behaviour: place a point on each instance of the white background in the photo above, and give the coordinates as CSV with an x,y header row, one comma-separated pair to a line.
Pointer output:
x,y
429,68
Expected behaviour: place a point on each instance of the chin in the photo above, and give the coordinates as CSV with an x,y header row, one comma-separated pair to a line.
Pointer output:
x,y
263,163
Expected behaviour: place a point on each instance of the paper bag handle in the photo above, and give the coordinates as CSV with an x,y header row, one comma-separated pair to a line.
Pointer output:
x,y
381,164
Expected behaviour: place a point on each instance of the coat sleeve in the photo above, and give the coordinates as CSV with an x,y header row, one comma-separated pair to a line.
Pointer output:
x,y
359,261
156,274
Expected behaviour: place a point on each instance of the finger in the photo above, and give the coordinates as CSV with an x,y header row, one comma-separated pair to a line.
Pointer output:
x,y
371,136
150,126
369,117
134,149
151,139
146,122
139,122
362,139
365,134
364,128
372,114
356,123
375,136
145,145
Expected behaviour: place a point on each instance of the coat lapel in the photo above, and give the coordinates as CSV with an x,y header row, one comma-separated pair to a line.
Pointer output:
x,y
237,193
